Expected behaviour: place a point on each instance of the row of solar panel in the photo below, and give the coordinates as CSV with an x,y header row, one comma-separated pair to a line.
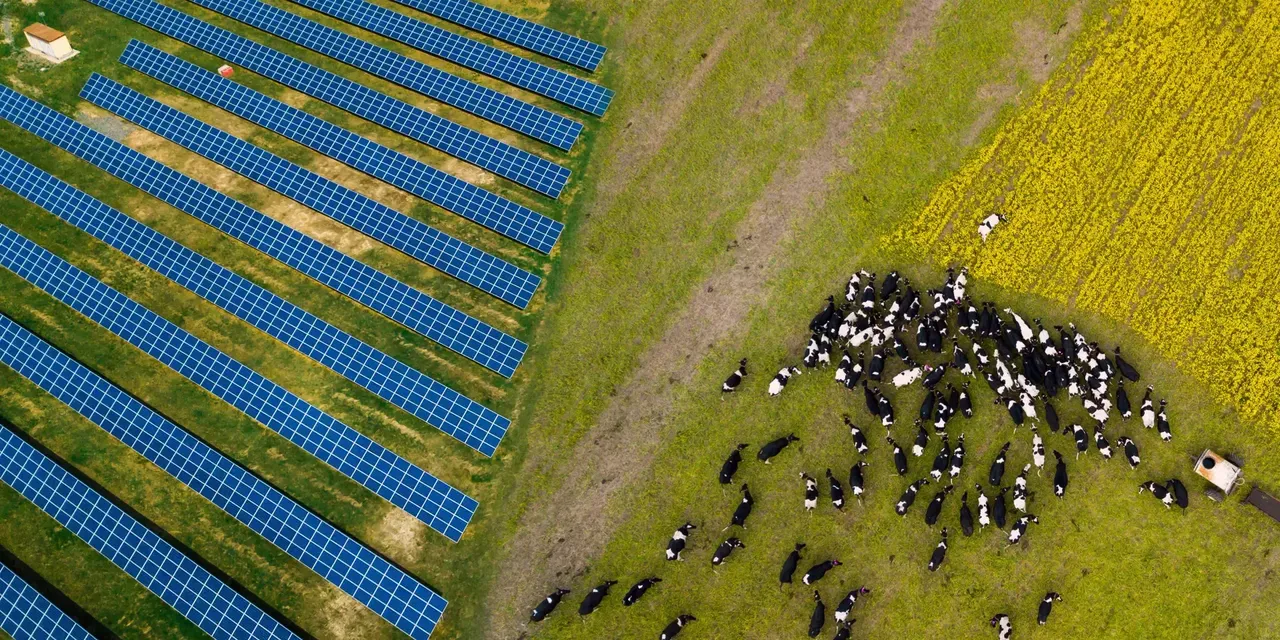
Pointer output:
x,y
25,614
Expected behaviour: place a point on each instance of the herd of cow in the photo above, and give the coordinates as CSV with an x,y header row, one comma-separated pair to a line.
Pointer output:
x,y
1027,369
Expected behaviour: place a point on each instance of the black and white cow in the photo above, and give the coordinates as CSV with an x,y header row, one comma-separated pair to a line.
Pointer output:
x,y
1037,449
843,630
855,285
1002,622
735,379
837,491
1147,410
846,605
789,565
779,381
922,440
909,496
859,438
1130,451
672,630
678,540
934,509
819,616
886,411
775,447
726,548
899,458
810,491
965,403
966,516
849,372
871,398
856,480
1082,439
817,571
998,509
957,459
547,605
939,552
942,461
1159,491
984,512
1100,441
934,375
996,475
1162,423
593,599
1020,490
824,316
730,466
638,590
743,509
875,368
1046,605
1060,478
1122,403
1020,528
1179,491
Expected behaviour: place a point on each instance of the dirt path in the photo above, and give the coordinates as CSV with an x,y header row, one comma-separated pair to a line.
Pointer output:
x,y
620,448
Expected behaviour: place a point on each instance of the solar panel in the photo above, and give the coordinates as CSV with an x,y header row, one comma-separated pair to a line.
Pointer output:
x,y
412,308
345,449
349,565
535,122
526,74
488,273
444,408
517,31
512,220
27,615
184,585
483,151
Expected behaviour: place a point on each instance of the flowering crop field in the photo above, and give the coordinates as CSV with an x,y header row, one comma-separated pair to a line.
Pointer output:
x,y
1143,184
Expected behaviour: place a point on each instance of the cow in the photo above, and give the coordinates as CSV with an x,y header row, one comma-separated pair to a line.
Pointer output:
x,y
1162,423
672,630
547,605
730,466
962,280
1059,475
837,491
934,375
595,597
1004,624
1122,403
988,225
819,616
743,510
1051,417
889,286
966,516
1179,491
726,548
1100,441
957,459
875,368
909,496
1158,491
922,440
859,438
939,552
959,360
908,377
855,285
843,630
934,509
638,590
1130,451
899,458
817,571
678,540
886,411
996,475
810,491
984,513
1125,368
965,403
847,372
1046,605
824,316
942,461
856,480
871,399
1037,449
1147,410
779,381
1019,529
1082,439
846,605
998,509
773,448
1020,490
731,383
789,565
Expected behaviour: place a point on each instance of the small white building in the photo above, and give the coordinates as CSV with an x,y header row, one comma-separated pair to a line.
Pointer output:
x,y
48,43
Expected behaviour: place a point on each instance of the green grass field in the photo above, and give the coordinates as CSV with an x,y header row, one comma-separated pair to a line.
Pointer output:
x,y
756,153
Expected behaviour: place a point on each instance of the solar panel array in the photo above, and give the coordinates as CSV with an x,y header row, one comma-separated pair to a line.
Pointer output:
x,y
412,308
184,585
526,74
27,615
483,151
488,273
536,122
440,406
350,452
514,221
517,31
349,565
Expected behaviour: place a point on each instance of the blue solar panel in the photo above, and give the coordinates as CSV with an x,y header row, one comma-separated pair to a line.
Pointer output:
x,y
501,215
488,273
412,308
349,565
517,31
526,74
184,585
483,151
535,122
27,615
345,449
445,409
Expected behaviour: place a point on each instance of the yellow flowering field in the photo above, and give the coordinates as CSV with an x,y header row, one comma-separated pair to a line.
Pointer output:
x,y
1143,183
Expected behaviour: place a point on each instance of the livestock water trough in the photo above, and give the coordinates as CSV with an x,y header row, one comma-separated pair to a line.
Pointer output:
x,y
1225,474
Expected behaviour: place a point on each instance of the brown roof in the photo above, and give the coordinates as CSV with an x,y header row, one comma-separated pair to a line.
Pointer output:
x,y
43,32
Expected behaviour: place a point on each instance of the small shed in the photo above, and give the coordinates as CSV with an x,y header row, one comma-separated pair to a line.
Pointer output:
x,y
48,43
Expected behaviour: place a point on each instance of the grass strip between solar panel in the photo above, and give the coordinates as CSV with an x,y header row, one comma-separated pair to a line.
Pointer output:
x,y
25,614
499,214
526,74
454,414
380,222
179,581
408,306
355,569
533,121
518,31
348,451
485,152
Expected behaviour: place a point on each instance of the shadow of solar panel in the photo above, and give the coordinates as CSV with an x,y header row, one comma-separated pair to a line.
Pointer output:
x,y
473,266
517,31
526,74
184,585
483,151
499,214
349,565
408,306
535,122
443,408
343,448
27,615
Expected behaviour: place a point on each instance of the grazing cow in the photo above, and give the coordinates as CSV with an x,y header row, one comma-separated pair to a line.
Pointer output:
x,y
856,479
744,509
768,451
889,286
942,461
957,459
1159,491
1017,412
817,571
988,224
726,548
1130,451
1037,449
855,285
959,361
939,552
908,377
1122,403
848,373
934,509
547,605
843,630
984,513
1082,439
846,605
824,351
1179,491
934,376
678,540
965,404
595,597
1059,475
996,474
1020,490
966,516
779,381
1023,328
962,279
1162,423
638,590
731,383
1020,528
859,438
837,491
1125,368
869,293
875,369
810,491
909,496
886,411
899,458
730,466
789,565
1051,417
1100,441
1046,605
1004,624
998,509
823,317
672,630
871,398
1147,411
819,616
922,440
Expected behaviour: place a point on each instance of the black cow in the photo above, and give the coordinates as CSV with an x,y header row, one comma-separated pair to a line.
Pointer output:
x,y
871,399
1179,492
817,571
837,491
1051,417
1126,369
966,516
934,509
731,383
743,510
726,548
942,461
899,458
789,565
1122,403
672,630
996,475
875,369
678,540
1162,423
939,552
856,480
1046,605
595,597
547,605
775,447
638,590
820,320
1060,479
965,403
909,496
819,616
730,466
998,509
843,630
